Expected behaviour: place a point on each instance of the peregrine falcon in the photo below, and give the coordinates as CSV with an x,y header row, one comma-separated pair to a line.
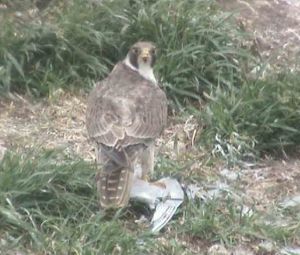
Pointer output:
x,y
126,112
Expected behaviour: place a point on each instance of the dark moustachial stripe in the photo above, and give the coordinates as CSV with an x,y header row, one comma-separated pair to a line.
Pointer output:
x,y
133,58
153,59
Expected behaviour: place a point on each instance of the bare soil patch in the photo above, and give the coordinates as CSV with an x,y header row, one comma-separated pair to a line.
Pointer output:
x,y
58,122
275,26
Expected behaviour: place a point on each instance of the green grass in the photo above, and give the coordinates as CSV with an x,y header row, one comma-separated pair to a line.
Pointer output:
x,y
48,205
260,117
71,45
48,201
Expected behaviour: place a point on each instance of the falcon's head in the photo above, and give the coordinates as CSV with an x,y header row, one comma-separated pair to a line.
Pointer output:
x,y
141,57
142,54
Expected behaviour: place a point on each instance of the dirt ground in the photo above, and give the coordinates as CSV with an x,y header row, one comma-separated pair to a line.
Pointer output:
x,y
275,26
60,122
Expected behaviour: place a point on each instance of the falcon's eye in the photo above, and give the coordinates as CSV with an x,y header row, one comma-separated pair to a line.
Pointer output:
x,y
153,51
135,50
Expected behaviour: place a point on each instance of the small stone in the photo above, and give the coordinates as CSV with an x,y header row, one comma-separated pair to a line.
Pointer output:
x,y
240,250
142,220
290,250
291,201
266,246
218,249
229,175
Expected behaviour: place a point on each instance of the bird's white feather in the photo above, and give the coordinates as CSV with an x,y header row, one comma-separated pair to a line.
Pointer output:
x,y
144,69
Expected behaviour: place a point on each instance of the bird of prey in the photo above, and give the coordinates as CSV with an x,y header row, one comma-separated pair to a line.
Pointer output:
x,y
126,112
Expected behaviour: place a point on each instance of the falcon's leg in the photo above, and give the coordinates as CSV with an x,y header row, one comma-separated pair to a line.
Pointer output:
x,y
101,158
147,165
147,161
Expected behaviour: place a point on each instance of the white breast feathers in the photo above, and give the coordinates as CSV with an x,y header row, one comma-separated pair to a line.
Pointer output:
x,y
144,69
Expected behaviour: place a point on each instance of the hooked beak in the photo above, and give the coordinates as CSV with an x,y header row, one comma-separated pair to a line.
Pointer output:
x,y
145,55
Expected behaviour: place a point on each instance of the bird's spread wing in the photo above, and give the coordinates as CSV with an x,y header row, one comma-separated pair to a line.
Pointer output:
x,y
126,108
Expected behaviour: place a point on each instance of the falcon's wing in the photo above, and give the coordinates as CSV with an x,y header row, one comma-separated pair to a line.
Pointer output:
x,y
126,108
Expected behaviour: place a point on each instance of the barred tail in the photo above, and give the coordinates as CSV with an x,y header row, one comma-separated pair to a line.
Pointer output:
x,y
115,180
114,187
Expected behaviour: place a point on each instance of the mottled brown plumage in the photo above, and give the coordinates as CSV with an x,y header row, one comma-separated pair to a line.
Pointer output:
x,y
125,113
